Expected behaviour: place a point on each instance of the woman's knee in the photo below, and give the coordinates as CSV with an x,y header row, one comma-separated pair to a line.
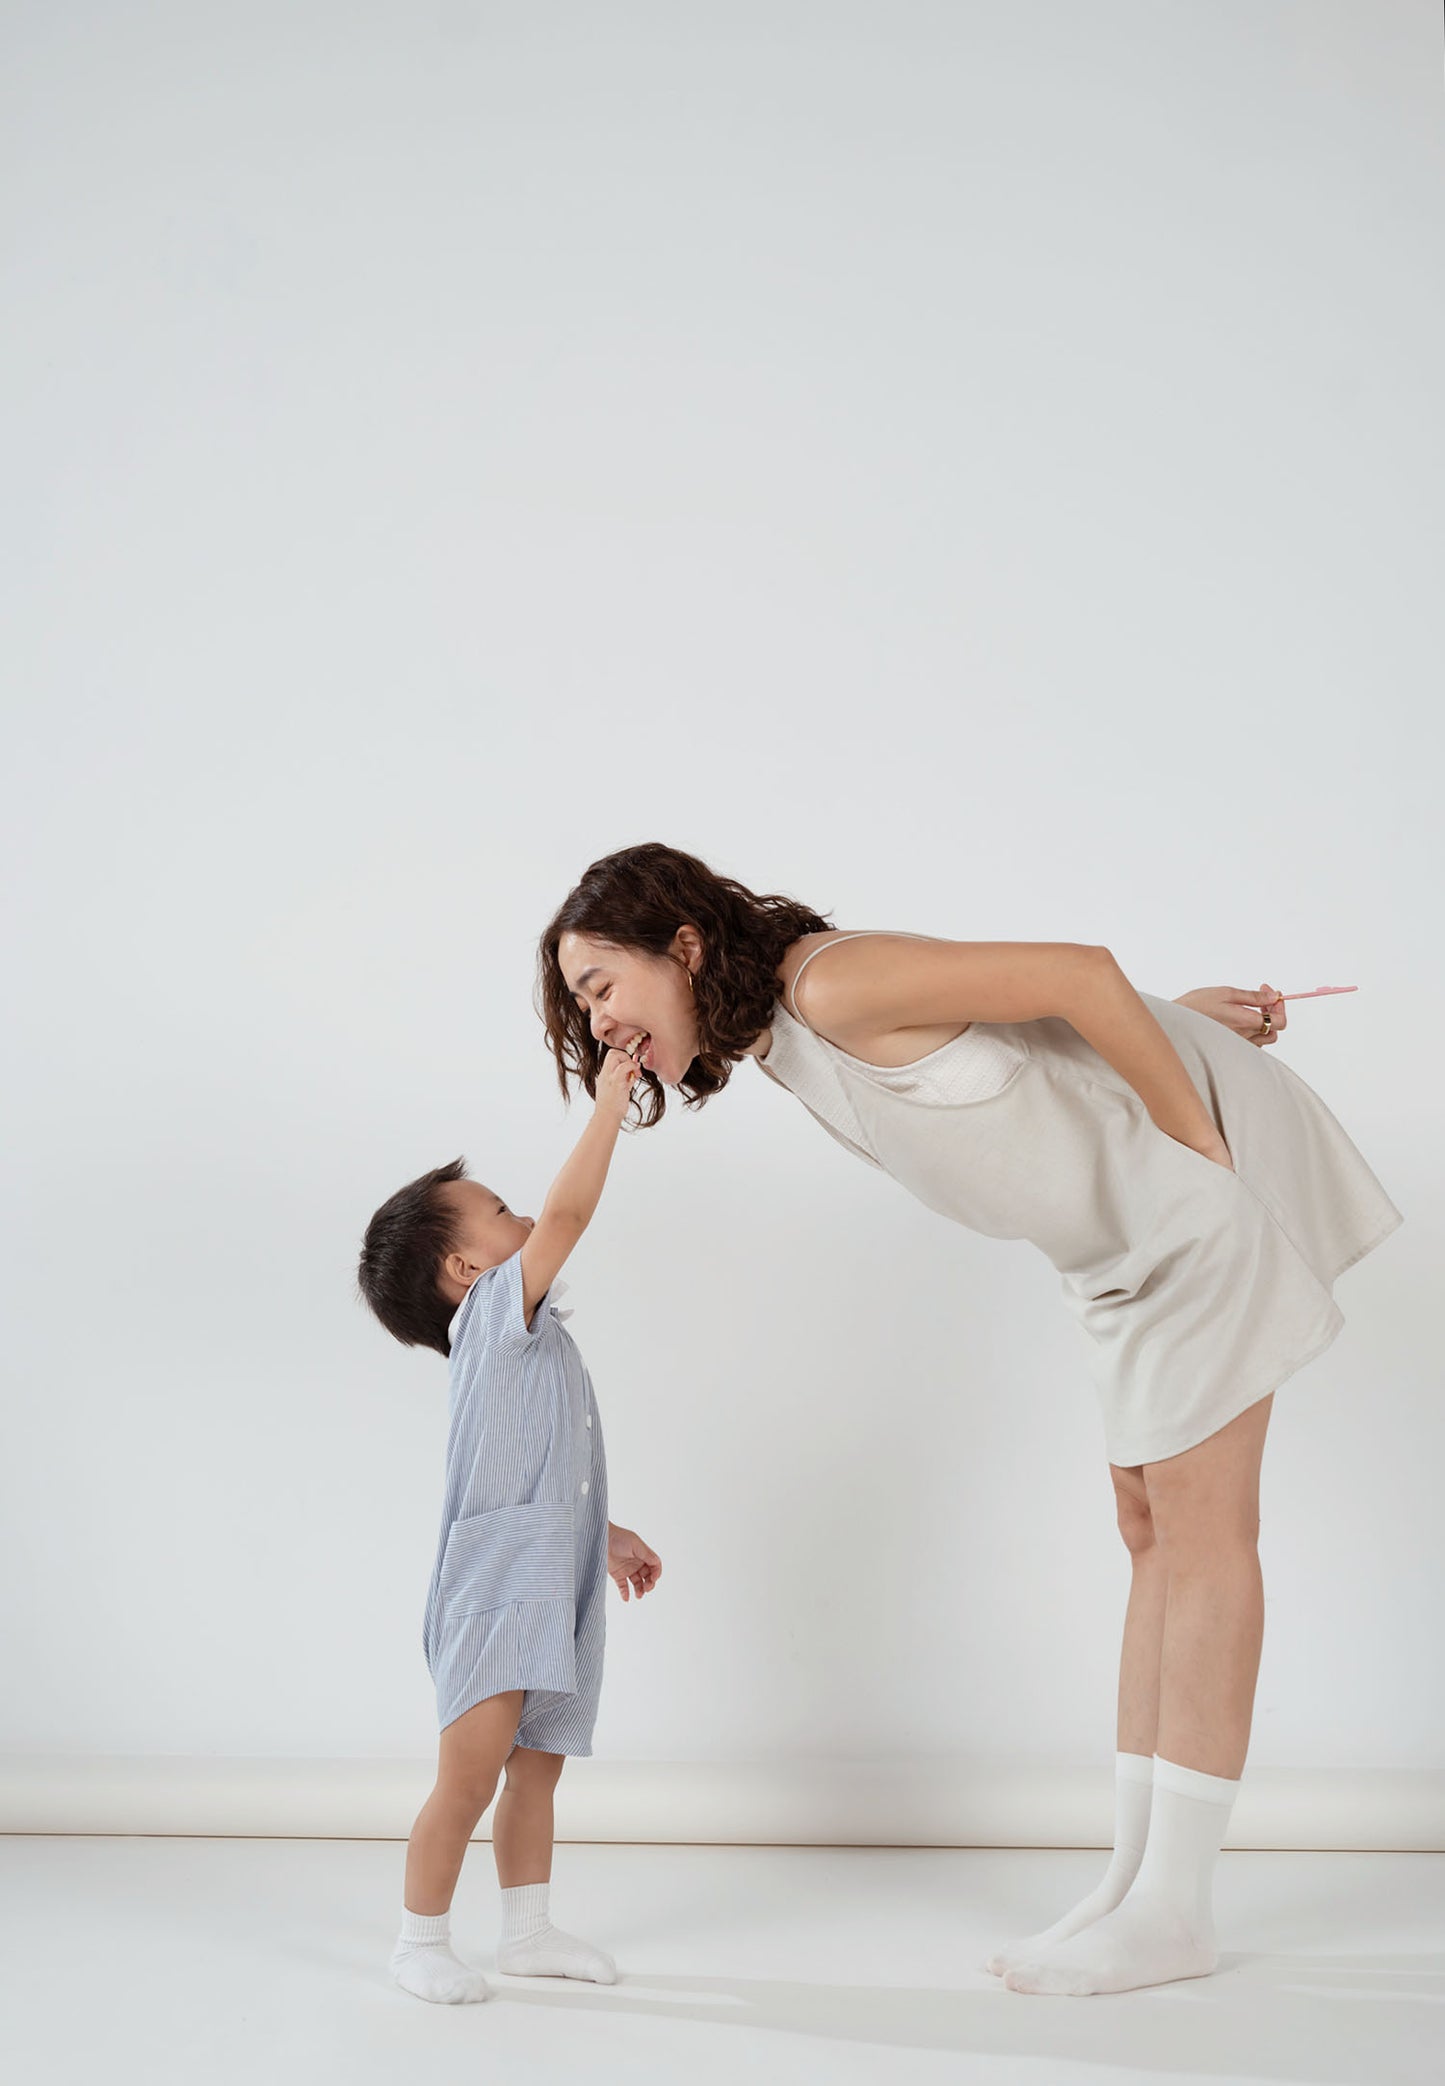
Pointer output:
x,y
1205,1501
1212,1541
1137,1530
1135,1517
1202,1525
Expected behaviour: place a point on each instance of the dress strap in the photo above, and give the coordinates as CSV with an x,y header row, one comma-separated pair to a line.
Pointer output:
x,y
856,935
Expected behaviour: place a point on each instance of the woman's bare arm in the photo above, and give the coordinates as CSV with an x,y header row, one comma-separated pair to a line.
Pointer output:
x,y
1111,1016
875,986
870,989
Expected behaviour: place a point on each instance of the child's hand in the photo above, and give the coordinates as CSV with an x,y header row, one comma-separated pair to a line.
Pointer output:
x,y
630,1562
614,1083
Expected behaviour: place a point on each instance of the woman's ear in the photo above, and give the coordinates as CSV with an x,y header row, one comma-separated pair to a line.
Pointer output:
x,y
687,944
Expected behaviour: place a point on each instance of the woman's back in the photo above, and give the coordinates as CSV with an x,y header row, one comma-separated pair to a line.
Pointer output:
x,y
1199,1288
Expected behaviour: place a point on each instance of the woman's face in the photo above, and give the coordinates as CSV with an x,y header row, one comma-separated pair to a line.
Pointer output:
x,y
626,993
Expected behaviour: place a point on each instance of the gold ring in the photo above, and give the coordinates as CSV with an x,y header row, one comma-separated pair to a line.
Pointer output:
x,y
1265,1027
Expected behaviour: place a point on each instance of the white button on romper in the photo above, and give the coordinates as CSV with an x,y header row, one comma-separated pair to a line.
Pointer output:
x,y
517,1594
1197,1290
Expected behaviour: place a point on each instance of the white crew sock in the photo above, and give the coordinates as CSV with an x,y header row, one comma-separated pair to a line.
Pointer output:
x,y
1163,1927
531,1946
1133,1787
422,1962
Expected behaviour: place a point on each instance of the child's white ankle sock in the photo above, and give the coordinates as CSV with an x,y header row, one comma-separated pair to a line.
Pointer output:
x,y
532,1947
1133,1787
422,1962
1163,1928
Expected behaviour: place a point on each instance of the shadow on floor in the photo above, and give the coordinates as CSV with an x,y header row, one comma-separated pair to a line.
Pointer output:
x,y
1334,2020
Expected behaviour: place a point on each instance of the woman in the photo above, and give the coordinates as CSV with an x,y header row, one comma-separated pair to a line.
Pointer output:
x,y
1197,1198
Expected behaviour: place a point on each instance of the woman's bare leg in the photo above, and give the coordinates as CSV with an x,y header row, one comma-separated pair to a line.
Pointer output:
x,y
1138,1713
1205,1508
1142,1650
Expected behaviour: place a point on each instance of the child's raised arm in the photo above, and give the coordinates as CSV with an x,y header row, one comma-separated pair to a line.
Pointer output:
x,y
574,1195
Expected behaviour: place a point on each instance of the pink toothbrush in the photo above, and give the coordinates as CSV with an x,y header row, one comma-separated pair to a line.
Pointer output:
x,y
1318,992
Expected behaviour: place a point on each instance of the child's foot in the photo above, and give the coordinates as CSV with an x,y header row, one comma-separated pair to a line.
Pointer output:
x,y
422,1962
1144,1941
551,1953
530,1946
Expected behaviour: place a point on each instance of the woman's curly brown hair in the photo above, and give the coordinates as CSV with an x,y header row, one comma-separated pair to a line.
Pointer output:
x,y
637,899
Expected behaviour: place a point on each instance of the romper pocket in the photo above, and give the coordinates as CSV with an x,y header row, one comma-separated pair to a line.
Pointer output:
x,y
518,1553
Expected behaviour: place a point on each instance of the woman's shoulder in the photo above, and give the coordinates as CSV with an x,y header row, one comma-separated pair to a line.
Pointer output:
x,y
797,953
800,952
848,998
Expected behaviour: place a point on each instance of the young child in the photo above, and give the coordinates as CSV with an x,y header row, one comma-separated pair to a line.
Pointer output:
x,y
515,1616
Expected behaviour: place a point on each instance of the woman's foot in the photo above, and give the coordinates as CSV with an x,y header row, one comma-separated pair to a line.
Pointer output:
x,y
1103,1900
1164,1926
1133,1797
1144,1941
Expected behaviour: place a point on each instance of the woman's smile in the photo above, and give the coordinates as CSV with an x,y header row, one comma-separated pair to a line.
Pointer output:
x,y
639,1045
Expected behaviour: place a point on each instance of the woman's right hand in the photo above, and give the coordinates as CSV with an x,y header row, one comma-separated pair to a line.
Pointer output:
x,y
615,1083
1241,1010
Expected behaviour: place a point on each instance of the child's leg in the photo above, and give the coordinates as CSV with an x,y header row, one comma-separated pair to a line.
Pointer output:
x,y
530,1946
522,1826
469,1759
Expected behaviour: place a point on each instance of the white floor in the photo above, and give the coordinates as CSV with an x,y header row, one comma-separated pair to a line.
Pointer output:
x,y
219,1961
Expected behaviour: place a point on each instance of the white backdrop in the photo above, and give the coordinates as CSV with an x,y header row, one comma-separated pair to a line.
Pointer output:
x,y
974,468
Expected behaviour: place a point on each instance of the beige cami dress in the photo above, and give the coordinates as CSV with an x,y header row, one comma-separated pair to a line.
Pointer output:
x,y
1197,1290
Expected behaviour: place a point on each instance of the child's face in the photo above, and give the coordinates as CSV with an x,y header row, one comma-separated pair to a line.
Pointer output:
x,y
626,993
488,1232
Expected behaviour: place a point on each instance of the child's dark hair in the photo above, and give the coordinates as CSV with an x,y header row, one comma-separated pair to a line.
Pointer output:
x,y
637,899
401,1255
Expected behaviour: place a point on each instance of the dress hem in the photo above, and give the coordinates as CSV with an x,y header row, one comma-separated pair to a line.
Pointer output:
x,y
1376,1238
1133,1461
1396,1219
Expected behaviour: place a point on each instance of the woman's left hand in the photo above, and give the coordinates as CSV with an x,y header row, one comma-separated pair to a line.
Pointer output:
x,y
630,1562
1239,1010
1217,1150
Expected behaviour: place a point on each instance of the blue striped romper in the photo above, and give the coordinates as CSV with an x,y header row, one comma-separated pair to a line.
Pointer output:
x,y
517,1594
